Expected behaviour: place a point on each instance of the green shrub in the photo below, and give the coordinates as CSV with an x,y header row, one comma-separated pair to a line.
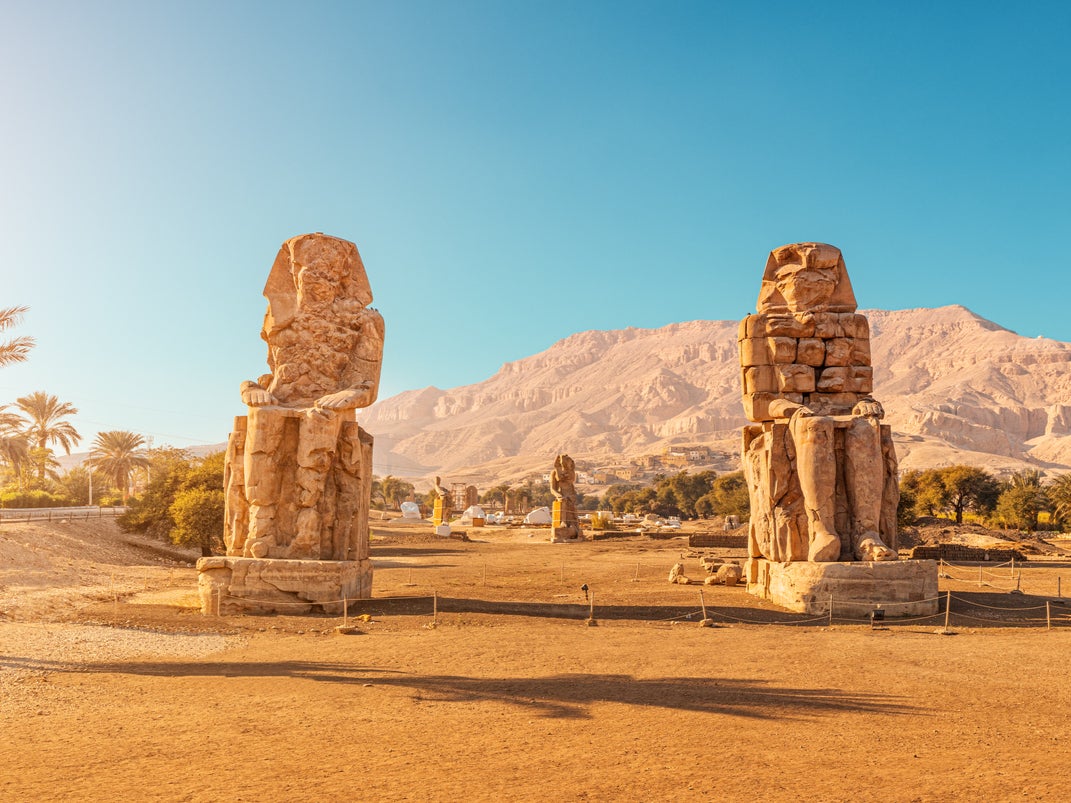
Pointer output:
x,y
36,498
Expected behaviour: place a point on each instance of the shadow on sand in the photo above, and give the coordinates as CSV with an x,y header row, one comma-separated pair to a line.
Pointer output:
x,y
557,696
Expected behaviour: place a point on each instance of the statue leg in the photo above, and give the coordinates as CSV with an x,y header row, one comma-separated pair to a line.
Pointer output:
x,y
317,440
817,470
864,478
263,436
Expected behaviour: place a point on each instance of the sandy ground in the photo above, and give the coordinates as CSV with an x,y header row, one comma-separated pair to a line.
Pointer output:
x,y
114,687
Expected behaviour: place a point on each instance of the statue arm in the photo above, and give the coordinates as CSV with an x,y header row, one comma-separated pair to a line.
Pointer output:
x,y
364,368
783,408
360,395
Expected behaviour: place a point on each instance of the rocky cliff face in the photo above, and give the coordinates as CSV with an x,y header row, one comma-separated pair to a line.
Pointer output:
x,y
956,388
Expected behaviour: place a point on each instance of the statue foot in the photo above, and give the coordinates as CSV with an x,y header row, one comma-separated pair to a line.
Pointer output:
x,y
825,546
871,547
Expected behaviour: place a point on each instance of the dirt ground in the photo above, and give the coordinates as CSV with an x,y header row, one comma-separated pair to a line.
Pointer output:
x,y
113,686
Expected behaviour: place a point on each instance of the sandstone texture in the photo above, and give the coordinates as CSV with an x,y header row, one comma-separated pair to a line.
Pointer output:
x,y
298,470
238,585
900,588
821,468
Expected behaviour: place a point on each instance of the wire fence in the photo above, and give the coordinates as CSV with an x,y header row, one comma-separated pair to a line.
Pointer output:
x,y
16,515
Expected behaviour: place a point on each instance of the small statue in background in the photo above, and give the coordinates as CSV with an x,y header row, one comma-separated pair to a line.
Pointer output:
x,y
565,525
443,504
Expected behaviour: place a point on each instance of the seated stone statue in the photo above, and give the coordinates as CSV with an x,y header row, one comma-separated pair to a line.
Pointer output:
x,y
821,468
299,468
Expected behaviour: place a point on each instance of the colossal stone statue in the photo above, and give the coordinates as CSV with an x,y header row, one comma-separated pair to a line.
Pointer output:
x,y
565,525
298,468
820,466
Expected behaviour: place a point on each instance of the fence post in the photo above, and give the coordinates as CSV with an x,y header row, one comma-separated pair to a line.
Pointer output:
x,y
434,606
1048,615
703,604
948,607
831,609
1057,586
345,610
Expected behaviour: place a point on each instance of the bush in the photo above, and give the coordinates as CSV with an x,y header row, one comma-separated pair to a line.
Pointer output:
x,y
198,517
35,499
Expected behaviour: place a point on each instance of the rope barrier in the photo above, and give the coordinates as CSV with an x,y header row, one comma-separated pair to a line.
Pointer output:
x,y
996,607
220,595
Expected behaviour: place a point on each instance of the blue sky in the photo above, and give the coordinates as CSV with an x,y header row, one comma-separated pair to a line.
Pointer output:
x,y
512,173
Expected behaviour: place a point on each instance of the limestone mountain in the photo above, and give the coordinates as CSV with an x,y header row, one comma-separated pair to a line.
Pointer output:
x,y
956,388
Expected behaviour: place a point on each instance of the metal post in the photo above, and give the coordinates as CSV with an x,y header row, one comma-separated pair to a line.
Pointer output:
x,y
434,605
703,604
948,607
831,609
1048,615
591,607
345,611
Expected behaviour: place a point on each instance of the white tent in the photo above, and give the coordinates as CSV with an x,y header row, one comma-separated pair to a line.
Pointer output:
x,y
472,512
541,515
410,510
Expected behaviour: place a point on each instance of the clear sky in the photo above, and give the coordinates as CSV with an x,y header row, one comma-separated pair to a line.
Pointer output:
x,y
512,173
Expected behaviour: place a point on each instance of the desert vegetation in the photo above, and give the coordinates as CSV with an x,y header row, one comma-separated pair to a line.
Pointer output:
x,y
1021,501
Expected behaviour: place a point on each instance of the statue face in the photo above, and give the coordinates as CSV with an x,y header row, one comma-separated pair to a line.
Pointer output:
x,y
806,288
314,288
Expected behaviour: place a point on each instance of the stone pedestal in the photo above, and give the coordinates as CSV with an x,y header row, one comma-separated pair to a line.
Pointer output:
x,y
901,588
562,529
443,530
233,585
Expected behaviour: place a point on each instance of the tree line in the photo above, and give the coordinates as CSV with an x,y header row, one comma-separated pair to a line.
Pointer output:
x,y
1015,503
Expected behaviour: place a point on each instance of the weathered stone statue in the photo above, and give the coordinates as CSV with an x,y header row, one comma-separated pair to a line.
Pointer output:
x,y
820,465
565,525
443,504
299,468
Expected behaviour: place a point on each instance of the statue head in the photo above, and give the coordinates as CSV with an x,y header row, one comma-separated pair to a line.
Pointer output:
x,y
309,273
565,467
806,277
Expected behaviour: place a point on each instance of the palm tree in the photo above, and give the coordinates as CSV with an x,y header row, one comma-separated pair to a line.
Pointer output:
x,y
16,349
115,454
14,447
1059,491
46,414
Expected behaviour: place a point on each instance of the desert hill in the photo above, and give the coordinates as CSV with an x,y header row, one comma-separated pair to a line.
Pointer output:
x,y
956,388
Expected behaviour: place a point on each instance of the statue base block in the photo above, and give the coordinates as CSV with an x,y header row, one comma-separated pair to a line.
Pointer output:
x,y
565,535
900,587
443,530
229,585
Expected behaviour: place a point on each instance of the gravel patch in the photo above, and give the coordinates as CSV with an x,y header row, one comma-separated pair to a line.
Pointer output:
x,y
30,653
